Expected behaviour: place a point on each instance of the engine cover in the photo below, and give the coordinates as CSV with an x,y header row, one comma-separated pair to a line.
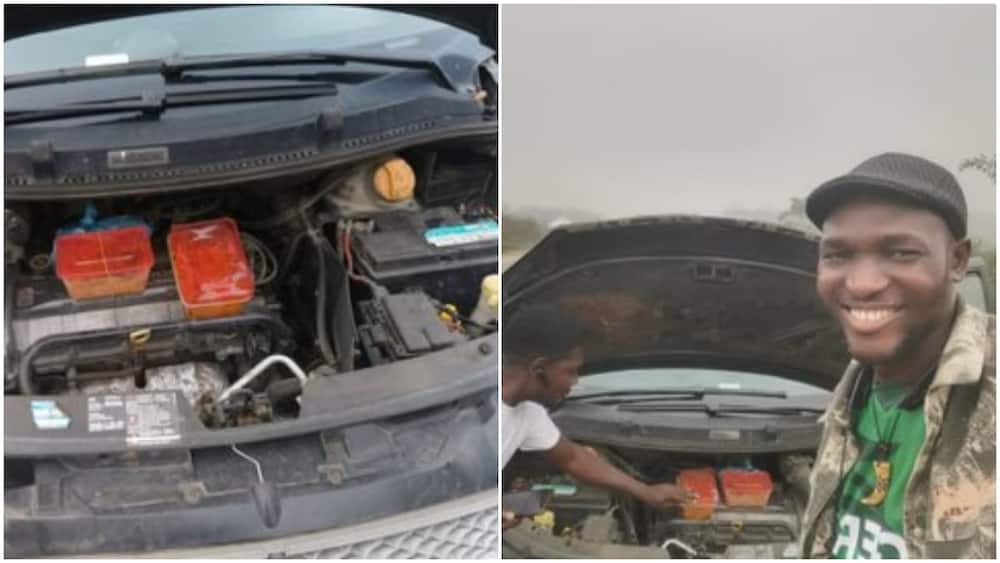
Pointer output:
x,y
42,309
121,337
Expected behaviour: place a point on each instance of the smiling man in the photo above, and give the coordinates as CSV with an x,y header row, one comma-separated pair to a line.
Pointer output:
x,y
906,463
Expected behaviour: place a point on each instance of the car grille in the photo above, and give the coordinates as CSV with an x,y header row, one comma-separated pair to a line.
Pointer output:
x,y
463,528
473,536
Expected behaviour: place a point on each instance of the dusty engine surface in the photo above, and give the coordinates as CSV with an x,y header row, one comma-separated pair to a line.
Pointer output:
x,y
42,309
121,337
729,528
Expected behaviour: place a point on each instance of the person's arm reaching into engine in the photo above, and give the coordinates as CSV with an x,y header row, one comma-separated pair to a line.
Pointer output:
x,y
588,467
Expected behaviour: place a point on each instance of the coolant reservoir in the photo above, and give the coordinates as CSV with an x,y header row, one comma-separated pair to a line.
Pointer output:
x,y
210,268
394,181
388,184
489,301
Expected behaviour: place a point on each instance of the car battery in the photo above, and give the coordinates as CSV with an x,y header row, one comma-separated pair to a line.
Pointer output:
x,y
572,509
437,251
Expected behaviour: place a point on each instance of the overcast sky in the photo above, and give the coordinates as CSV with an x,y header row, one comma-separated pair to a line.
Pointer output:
x,y
627,110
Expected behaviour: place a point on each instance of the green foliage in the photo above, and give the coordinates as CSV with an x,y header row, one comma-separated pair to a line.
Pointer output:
x,y
983,163
795,216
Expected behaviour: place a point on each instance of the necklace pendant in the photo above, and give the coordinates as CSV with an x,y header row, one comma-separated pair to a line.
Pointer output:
x,y
883,471
883,450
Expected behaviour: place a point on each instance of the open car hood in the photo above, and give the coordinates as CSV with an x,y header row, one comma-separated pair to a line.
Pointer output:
x,y
684,290
21,20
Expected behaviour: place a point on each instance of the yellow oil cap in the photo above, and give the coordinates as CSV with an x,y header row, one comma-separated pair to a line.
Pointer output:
x,y
394,180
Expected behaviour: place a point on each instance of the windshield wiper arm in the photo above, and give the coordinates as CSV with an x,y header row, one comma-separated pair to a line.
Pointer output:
x,y
643,395
172,69
153,104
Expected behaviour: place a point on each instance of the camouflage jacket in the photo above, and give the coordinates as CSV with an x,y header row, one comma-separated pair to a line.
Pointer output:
x,y
950,501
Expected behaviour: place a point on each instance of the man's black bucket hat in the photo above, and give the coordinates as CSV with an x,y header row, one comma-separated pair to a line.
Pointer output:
x,y
902,176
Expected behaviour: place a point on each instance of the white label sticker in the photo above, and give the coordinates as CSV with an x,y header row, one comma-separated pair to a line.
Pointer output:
x,y
103,60
723,435
152,419
105,413
454,235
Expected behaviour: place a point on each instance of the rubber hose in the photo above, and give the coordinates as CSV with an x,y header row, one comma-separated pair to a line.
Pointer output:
x,y
322,334
293,248
10,346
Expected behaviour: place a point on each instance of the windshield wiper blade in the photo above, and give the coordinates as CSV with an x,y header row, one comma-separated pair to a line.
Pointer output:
x,y
720,410
153,104
175,68
26,115
666,407
295,58
782,410
643,395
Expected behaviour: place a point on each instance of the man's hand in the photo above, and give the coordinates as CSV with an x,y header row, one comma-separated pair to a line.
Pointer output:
x,y
587,466
663,495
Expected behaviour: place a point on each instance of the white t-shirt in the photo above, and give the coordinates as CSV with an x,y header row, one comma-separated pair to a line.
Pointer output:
x,y
525,427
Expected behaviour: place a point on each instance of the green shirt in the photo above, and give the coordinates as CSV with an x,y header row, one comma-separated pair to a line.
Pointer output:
x,y
870,532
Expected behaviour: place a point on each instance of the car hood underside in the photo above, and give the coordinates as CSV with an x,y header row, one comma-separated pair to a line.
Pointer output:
x,y
683,290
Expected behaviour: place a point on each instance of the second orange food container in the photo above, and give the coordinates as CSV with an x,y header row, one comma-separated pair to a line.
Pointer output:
x,y
210,266
746,487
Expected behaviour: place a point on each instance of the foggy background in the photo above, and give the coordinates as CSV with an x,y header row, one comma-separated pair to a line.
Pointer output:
x,y
614,111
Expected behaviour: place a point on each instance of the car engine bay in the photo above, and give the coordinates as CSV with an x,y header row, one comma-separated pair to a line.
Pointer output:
x,y
587,521
365,264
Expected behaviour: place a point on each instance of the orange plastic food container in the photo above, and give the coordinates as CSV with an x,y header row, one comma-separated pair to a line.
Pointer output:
x,y
700,482
104,263
210,268
746,488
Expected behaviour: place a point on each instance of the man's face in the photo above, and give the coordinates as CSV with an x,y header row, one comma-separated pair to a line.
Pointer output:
x,y
886,272
559,376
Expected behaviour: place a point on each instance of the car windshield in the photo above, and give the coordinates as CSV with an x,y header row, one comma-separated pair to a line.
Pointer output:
x,y
240,30
693,378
